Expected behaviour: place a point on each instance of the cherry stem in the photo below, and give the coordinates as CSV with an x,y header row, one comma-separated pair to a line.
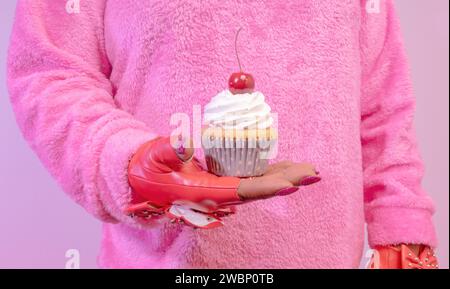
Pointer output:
x,y
236,49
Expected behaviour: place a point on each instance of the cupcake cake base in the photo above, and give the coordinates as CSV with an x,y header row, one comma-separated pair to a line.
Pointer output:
x,y
238,152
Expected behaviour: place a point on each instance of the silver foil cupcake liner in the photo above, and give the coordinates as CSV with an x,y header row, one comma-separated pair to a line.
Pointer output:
x,y
237,157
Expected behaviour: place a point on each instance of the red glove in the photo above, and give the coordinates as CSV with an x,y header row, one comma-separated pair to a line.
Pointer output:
x,y
403,257
165,184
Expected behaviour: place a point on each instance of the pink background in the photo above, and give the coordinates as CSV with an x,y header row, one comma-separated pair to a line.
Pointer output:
x,y
38,223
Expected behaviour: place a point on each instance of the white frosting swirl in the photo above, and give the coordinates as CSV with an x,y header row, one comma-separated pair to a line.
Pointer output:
x,y
242,111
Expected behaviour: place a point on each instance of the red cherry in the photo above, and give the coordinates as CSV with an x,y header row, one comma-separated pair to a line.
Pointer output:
x,y
240,82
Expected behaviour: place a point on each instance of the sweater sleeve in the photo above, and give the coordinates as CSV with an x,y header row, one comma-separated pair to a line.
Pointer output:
x,y
64,104
396,207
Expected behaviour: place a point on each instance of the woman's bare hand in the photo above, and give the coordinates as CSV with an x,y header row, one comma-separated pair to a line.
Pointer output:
x,y
282,178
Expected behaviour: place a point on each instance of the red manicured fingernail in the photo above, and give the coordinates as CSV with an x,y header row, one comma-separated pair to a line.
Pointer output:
x,y
310,180
287,191
181,150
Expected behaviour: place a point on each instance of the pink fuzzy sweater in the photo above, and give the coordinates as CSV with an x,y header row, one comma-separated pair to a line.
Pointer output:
x,y
88,88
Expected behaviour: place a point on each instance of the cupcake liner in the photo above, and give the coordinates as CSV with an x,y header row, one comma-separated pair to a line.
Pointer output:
x,y
237,157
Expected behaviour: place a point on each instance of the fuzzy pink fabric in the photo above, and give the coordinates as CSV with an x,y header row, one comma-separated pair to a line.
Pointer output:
x,y
88,88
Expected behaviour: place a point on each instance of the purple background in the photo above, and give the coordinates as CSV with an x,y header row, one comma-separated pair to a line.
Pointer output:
x,y
38,223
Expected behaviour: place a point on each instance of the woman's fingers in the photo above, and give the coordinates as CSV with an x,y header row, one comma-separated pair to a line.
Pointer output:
x,y
302,174
261,187
297,174
273,168
280,179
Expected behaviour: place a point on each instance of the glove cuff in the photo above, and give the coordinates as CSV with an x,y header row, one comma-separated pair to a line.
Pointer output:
x,y
402,257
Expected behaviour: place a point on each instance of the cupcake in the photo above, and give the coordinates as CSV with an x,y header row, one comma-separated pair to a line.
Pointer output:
x,y
238,136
